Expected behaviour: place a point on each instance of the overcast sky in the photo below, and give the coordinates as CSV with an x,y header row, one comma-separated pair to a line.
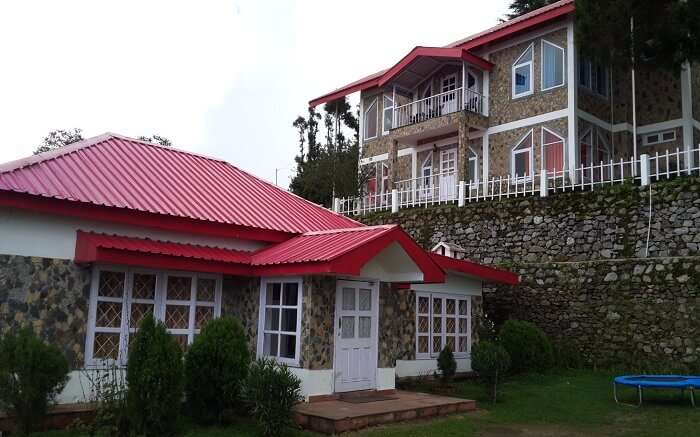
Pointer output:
x,y
220,77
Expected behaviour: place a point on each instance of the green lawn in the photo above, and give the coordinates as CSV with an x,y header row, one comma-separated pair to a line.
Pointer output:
x,y
560,404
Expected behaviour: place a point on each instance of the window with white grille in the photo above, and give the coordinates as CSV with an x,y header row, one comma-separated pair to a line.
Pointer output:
x,y
280,319
121,297
442,320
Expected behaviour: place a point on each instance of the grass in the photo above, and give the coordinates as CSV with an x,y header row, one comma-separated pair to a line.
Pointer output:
x,y
571,403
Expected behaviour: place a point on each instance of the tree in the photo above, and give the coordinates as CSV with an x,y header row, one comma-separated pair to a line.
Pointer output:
x,y
666,33
521,7
327,170
59,138
157,139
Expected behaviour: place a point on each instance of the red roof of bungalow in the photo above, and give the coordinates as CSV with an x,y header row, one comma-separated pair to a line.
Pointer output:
x,y
493,34
119,179
137,176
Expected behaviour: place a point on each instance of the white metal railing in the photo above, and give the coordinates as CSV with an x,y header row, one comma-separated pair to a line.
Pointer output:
x,y
436,188
438,105
445,188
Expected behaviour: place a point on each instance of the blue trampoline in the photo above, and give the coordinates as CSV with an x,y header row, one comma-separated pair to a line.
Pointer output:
x,y
678,382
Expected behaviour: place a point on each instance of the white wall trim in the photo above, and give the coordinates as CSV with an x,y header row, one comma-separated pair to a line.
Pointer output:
x,y
626,127
526,122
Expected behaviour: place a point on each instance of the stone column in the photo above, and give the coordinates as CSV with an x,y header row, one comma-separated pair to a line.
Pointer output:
x,y
463,150
393,162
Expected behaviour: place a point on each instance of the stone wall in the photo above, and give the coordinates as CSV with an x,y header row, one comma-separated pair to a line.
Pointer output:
x,y
579,239
397,325
50,295
317,322
240,298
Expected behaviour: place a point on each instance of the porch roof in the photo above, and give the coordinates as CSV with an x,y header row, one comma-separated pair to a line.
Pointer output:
x,y
470,268
421,61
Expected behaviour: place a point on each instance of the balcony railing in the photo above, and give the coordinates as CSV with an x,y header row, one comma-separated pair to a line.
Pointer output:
x,y
445,187
439,105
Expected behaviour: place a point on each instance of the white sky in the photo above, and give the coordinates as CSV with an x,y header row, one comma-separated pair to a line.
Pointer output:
x,y
223,78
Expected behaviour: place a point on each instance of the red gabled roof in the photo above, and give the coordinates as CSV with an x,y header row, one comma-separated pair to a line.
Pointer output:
x,y
495,33
136,176
474,269
342,251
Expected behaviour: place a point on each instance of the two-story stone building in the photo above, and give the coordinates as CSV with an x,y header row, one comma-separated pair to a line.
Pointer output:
x,y
514,100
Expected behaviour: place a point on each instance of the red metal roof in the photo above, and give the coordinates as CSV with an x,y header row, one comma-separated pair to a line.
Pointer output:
x,y
319,246
120,172
500,31
476,270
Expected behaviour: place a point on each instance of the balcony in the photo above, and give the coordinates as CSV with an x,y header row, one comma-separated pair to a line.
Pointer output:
x,y
438,105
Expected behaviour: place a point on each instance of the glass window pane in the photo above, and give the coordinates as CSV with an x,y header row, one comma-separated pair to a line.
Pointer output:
x,y
291,294
270,342
450,325
437,344
365,327
388,119
437,325
177,316
423,324
273,293
347,327
205,289
179,288
450,306
144,286
111,284
288,345
371,120
109,314
365,299
522,164
462,307
463,344
423,303
463,326
423,344
450,342
553,59
202,316
272,319
348,299
522,79
138,311
289,320
437,305
106,346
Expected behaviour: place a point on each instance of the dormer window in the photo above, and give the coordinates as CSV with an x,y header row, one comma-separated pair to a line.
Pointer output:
x,y
522,73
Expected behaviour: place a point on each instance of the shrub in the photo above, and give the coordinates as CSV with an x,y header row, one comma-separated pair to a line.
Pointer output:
x,y
272,391
108,394
447,365
528,347
491,361
215,367
566,356
32,373
154,380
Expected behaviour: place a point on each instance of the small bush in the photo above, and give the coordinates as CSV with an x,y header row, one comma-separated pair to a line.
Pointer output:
x,y
447,365
154,380
491,361
215,367
272,391
32,374
528,347
566,356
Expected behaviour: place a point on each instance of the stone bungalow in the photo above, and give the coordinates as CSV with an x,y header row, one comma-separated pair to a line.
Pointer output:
x,y
513,101
97,234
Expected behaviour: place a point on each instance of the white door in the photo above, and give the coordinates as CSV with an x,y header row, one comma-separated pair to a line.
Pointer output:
x,y
356,315
449,94
448,174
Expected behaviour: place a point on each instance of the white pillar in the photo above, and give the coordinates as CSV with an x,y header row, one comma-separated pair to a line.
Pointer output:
x,y
687,105
460,199
544,189
644,169
394,200
485,160
572,102
336,205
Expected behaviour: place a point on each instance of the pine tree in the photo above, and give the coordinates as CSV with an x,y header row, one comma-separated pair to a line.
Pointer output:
x,y
520,7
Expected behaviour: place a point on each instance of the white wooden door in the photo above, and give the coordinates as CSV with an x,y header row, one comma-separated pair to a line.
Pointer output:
x,y
449,94
356,315
448,174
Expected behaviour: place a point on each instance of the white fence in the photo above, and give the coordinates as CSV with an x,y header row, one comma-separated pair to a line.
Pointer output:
x,y
444,188
438,105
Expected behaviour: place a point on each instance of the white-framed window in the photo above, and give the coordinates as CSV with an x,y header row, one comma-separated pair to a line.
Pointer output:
x,y
553,152
371,120
594,149
388,118
521,163
553,69
442,320
593,77
279,326
120,297
473,175
659,138
522,73
427,170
